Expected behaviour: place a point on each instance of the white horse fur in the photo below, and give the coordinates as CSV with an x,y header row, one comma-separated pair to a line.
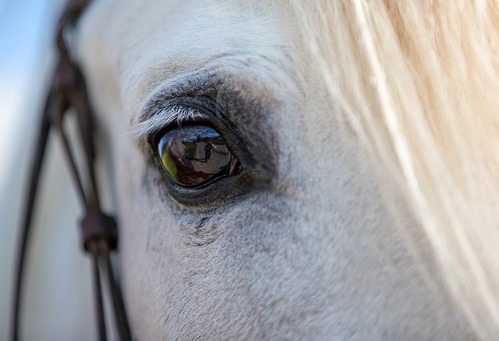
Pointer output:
x,y
357,115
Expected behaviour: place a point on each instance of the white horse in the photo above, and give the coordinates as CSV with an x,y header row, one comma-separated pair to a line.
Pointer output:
x,y
364,200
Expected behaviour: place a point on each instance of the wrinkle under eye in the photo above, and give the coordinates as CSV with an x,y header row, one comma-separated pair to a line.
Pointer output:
x,y
193,156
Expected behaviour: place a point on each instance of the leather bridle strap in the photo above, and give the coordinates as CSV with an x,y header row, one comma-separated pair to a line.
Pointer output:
x,y
99,230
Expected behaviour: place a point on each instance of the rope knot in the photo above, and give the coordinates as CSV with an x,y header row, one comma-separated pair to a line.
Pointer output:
x,y
97,226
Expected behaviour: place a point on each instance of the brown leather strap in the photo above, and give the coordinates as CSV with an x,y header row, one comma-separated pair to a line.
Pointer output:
x,y
99,232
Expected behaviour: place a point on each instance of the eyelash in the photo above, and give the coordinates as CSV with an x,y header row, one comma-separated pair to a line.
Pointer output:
x,y
164,118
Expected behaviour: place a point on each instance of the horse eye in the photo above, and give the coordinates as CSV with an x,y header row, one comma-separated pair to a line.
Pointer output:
x,y
193,156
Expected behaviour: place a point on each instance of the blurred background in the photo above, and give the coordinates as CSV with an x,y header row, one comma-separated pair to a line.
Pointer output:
x,y
57,296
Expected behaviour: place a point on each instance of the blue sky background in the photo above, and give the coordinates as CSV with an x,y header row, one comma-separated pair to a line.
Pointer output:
x,y
25,30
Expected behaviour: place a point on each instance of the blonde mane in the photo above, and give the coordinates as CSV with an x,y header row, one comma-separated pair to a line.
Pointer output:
x,y
418,82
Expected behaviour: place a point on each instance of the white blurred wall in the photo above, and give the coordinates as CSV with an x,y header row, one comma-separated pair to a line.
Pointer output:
x,y
57,296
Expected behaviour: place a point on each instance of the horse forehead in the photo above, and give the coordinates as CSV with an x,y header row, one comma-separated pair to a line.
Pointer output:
x,y
175,37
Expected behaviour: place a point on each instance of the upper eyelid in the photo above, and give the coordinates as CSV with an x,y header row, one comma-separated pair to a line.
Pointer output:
x,y
207,82
234,96
161,108
163,117
192,85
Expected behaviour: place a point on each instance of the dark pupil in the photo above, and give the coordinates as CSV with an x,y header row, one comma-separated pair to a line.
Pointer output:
x,y
194,155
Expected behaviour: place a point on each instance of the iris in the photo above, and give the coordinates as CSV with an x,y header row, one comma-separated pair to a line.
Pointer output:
x,y
196,155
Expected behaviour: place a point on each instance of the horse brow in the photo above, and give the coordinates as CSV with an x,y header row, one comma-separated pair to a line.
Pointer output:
x,y
160,108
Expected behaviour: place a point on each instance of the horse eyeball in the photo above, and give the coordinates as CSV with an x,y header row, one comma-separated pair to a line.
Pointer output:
x,y
193,156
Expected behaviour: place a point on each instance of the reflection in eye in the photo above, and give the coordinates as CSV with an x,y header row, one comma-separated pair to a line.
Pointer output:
x,y
195,155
